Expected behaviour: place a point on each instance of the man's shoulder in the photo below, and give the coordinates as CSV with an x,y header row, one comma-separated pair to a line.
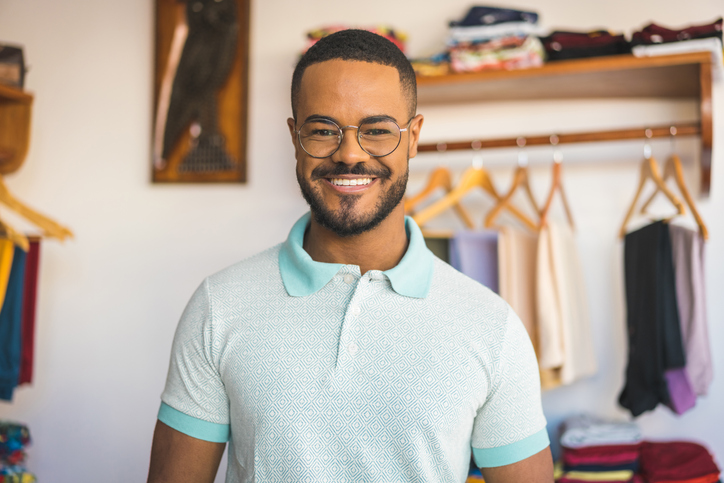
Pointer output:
x,y
258,269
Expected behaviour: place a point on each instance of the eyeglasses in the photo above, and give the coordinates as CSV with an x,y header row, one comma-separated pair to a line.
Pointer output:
x,y
321,138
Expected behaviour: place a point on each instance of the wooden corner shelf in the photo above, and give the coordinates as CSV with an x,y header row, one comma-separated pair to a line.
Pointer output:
x,y
680,76
15,111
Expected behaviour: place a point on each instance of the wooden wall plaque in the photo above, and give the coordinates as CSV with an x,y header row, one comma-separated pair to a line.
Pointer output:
x,y
200,91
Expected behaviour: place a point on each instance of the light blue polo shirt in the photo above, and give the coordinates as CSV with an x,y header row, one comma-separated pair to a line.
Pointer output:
x,y
314,373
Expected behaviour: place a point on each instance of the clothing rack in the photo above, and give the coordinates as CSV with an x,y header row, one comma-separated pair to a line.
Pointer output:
x,y
691,129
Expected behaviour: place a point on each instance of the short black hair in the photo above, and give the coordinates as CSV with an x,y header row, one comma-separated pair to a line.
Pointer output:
x,y
357,45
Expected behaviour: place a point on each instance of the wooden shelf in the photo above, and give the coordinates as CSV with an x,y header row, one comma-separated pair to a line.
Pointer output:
x,y
12,95
15,111
675,76
681,76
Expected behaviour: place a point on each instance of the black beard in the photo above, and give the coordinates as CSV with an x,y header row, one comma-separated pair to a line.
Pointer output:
x,y
343,222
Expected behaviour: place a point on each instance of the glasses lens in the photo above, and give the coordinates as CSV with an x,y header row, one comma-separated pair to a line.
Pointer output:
x,y
379,138
319,138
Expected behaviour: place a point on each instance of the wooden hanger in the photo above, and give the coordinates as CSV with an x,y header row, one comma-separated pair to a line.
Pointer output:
x,y
439,178
475,177
520,179
650,171
50,228
556,187
673,168
18,239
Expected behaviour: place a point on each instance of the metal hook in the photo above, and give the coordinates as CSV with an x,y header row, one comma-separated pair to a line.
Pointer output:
x,y
672,130
647,145
441,147
522,155
557,154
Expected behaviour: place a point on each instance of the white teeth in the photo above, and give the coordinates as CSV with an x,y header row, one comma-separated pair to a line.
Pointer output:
x,y
350,182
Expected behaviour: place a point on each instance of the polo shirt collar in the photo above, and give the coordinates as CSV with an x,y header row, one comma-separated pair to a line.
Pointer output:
x,y
303,276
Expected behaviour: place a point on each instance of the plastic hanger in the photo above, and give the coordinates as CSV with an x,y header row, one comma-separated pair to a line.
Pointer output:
x,y
520,179
50,228
673,168
439,178
556,186
650,171
474,177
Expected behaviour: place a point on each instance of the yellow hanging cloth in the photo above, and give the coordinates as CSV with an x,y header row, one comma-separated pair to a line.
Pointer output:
x,y
7,248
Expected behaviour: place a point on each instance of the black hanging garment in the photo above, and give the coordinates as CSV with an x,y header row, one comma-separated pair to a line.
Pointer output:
x,y
654,333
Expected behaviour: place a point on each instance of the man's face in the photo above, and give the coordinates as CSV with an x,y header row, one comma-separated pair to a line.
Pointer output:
x,y
347,93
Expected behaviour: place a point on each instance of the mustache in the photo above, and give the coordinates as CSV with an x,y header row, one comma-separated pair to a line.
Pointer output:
x,y
359,169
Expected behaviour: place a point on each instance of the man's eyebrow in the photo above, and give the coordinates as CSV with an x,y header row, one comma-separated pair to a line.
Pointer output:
x,y
377,118
319,117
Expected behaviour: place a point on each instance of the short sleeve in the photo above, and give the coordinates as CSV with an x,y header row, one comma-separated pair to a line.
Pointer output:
x,y
510,425
194,401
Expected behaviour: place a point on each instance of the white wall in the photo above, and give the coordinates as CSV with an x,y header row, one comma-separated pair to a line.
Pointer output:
x,y
109,299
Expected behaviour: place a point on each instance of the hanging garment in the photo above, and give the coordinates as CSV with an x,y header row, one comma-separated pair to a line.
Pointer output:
x,y
654,335
10,327
475,253
564,328
687,247
681,395
7,249
516,264
30,291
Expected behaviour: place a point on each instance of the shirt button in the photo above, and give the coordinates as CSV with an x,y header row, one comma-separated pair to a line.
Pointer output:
x,y
349,278
356,310
352,349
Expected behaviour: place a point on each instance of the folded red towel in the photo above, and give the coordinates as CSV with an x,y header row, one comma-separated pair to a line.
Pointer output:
x,y
675,461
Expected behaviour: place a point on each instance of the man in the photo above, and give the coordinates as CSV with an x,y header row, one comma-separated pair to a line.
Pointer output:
x,y
350,353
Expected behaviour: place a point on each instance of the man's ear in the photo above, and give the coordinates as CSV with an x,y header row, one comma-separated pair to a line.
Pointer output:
x,y
292,131
415,126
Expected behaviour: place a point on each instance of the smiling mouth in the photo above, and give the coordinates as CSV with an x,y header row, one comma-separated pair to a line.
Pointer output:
x,y
350,182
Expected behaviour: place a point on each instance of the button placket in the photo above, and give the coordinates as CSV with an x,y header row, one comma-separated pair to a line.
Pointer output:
x,y
348,346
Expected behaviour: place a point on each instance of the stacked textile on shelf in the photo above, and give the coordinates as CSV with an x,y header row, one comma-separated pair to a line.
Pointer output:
x,y
654,40
593,449
494,38
395,36
679,461
14,438
669,358
563,45
18,289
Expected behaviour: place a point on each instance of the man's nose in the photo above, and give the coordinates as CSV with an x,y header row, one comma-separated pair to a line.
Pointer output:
x,y
350,152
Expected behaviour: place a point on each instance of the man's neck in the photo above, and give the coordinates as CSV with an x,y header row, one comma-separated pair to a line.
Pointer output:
x,y
381,248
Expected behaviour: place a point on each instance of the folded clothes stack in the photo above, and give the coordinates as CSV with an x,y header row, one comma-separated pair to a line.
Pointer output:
x,y
654,34
561,45
677,461
395,36
593,449
654,40
14,438
494,38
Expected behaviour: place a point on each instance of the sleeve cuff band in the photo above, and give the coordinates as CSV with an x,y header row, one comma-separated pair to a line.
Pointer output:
x,y
191,426
511,453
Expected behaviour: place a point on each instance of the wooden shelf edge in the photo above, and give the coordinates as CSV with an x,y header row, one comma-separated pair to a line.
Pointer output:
x,y
8,93
576,66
